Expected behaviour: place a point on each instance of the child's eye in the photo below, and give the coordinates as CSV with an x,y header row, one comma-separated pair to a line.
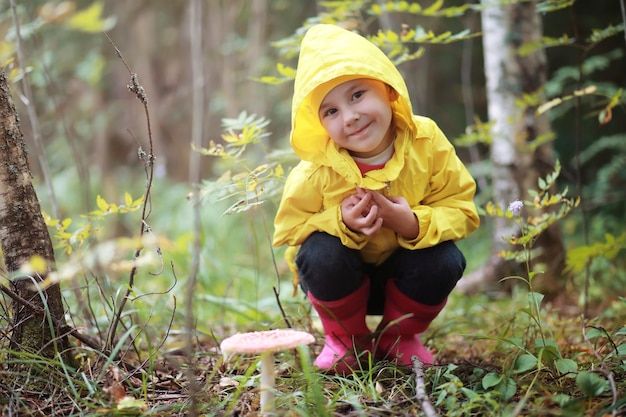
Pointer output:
x,y
329,112
357,95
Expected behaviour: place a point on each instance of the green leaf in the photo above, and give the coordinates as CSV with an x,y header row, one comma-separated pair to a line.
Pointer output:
x,y
542,183
591,384
524,363
566,366
593,333
508,388
491,380
535,298
600,34
563,400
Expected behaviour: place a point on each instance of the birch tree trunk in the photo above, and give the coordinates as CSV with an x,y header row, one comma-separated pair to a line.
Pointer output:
x,y
23,234
516,167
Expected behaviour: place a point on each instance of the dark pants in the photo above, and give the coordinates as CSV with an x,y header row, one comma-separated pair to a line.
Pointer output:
x,y
330,271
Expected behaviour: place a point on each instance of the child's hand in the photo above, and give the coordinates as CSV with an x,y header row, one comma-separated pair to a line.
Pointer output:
x,y
360,215
397,214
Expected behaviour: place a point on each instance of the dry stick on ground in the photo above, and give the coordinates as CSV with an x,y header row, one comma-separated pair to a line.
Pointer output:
x,y
420,389
140,92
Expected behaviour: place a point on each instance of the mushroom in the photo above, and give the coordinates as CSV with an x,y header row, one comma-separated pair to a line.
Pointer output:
x,y
265,343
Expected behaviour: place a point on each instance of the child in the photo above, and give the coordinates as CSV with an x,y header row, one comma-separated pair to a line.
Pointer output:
x,y
375,204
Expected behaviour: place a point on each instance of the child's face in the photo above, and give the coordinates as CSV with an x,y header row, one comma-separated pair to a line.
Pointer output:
x,y
357,116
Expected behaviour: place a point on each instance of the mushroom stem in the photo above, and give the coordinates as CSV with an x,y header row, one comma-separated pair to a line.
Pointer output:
x,y
268,379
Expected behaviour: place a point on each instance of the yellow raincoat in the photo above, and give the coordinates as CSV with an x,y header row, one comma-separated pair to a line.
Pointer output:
x,y
424,168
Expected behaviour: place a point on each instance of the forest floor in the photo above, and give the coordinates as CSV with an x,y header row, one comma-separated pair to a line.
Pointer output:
x,y
478,340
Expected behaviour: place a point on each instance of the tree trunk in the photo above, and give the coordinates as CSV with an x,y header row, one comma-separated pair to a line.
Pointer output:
x,y
516,168
23,234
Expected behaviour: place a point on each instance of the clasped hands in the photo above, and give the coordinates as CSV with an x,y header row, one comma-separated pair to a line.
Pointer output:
x,y
368,211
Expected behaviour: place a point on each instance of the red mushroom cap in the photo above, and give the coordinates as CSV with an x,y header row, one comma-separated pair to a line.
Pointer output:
x,y
265,341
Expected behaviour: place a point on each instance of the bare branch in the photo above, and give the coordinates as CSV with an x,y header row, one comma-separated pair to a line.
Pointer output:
x,y
148,160
420,389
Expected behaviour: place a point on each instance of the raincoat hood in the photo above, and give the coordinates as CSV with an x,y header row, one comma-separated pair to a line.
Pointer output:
x,y
329,56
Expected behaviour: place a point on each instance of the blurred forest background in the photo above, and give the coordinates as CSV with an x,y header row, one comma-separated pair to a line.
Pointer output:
x,y
87,138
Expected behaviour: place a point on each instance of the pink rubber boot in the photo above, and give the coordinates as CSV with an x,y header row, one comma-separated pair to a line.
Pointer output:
x,y
403,320
347,334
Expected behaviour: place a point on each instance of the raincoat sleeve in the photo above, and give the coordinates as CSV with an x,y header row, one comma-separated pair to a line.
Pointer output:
x,y
447,211
302,212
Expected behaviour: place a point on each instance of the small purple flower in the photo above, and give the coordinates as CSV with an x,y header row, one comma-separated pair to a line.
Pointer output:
x,y
516,207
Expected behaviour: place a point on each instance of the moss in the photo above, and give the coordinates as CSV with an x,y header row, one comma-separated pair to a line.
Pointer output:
x,y
13,171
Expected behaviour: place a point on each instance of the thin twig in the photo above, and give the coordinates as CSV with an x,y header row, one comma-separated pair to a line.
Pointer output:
x,y
420,389
274,288
140,92
163,340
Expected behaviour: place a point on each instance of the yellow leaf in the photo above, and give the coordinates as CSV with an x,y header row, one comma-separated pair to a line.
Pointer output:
x,y
285,70
433,8
36,265
231,137
128,200
50,222
65,223
90,19
279,171
252,184
138,202
102,204
7,51
587,90
415,8
130,403
260,169
392,36
402,6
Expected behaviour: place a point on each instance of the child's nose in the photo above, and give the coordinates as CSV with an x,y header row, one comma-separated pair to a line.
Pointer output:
x,y
350,116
